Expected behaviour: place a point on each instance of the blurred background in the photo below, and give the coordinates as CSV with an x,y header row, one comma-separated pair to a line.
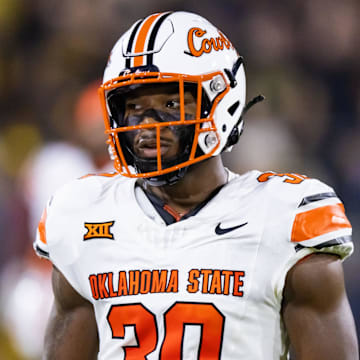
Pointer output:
x,y
301,54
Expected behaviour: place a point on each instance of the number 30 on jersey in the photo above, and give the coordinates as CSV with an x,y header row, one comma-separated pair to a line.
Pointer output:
x,y
176,318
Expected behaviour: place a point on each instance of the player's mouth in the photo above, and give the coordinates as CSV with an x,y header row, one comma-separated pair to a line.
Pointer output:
x,y
146,147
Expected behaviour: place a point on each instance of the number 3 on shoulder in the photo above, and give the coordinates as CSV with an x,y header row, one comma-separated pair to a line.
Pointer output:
x,y
289,178
176,318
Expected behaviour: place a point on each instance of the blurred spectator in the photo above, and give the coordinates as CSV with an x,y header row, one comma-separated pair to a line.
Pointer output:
x,y
46,169
57,162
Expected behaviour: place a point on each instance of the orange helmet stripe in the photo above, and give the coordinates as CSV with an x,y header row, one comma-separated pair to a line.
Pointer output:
x,y
319,221
141,38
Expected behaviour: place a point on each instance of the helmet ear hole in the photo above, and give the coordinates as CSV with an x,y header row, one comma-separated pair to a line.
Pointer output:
x,y
231,110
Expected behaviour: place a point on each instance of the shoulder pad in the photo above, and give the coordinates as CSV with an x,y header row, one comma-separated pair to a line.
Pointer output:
x,y
320,221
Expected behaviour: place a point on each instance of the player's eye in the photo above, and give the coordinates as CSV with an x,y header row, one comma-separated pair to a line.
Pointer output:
x,y
131,107
173,104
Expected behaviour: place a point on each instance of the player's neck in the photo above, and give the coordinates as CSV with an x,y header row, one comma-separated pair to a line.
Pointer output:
x,y
198,183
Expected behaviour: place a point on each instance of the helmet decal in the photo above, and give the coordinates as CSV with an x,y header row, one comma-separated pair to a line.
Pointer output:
x,y
207,44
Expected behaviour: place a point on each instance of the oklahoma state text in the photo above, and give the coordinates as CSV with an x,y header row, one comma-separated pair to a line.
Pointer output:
x,y
134,282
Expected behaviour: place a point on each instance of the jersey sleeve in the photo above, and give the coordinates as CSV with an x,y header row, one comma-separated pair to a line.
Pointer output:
x,y
40,244
320,223
56,224
314,222
60,233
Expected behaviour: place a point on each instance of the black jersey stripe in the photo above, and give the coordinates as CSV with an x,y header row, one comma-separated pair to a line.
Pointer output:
x,y
337,241
333,242
41,252
317,197
131,41
153,34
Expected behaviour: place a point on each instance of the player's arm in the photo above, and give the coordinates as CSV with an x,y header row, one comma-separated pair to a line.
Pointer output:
x,y
71,333
316,310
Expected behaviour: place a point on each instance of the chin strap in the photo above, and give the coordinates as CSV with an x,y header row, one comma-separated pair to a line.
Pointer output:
x,y
167,179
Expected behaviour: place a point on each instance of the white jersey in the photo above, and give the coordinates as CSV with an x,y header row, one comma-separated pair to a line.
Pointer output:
x,y
207,287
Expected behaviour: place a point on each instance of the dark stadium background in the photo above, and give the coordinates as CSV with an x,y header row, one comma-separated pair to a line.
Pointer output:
x,y
303,55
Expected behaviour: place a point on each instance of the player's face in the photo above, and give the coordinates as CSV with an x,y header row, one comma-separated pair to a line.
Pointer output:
x,y
149,105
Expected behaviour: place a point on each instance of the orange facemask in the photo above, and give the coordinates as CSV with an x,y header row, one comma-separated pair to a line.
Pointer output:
x,y
201,122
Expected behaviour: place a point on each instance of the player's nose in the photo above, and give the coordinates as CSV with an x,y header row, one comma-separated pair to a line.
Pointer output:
x,y
150,116
148,120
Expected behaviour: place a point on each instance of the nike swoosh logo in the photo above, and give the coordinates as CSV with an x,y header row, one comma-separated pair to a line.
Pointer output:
x,y
221,231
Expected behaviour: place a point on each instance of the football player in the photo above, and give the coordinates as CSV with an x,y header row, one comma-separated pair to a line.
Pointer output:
x,y
174,256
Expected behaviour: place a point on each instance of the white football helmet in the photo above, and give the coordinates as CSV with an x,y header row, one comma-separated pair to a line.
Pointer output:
x,y
185,49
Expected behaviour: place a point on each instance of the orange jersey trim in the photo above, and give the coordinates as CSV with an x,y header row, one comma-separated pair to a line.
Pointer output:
x,y
173,213
316,222
41,227
141,38
100,174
